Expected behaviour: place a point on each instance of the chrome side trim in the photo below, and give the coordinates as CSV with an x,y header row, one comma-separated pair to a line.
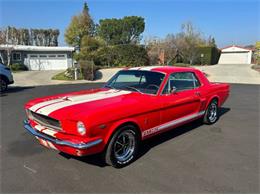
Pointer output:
x,y
34,132
171,123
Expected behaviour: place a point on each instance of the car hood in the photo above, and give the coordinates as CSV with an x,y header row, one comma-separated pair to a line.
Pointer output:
x,y
87,103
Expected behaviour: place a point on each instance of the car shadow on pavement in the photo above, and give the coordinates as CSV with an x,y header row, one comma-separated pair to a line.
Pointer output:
x,y
148,144
14,90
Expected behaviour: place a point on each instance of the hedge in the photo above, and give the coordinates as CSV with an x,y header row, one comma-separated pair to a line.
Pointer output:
x,y
210,55
18,67
122,55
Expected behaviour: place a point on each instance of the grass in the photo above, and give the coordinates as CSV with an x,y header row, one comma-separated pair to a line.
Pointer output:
x,y
61,76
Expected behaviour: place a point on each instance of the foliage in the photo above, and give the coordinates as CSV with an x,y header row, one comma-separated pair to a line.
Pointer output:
x,y
23,36
81,25
208,55
180,47
130,55
67,75
121,55
88,69
257,52
89,46
121,31
18,67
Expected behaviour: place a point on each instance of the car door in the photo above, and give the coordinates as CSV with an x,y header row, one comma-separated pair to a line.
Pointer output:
x,y
180,98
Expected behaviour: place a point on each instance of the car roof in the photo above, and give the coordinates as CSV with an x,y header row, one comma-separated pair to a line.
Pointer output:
x,y
163,69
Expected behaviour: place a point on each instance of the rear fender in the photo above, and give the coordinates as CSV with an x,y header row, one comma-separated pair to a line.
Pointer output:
x,y
214,97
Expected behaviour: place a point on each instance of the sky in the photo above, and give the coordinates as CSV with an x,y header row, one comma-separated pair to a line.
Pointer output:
x,y
230,22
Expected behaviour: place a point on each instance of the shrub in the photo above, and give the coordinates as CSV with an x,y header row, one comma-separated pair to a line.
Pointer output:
x,y
211,55
130,55
88,69
18,67
121,55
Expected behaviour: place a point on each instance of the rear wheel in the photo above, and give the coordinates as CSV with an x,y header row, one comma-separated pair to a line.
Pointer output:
x,y
3,84
212,113
123,147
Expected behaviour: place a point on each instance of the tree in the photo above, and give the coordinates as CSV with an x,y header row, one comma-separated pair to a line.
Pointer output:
x,y
127,30
81,25
89,46
6,49
182,46
212,42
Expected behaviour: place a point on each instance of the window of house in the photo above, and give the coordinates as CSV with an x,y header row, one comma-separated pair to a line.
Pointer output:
x,y
16,56
33,56
43,56
52,56
181,81
61,56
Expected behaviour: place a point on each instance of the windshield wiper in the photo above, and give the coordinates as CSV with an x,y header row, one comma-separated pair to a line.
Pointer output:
x,y
129,87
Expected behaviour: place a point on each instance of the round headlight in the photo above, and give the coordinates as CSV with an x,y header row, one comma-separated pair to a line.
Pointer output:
x,y
81,128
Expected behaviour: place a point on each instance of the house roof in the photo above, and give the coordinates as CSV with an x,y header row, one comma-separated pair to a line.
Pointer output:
x,y
234,48
36,48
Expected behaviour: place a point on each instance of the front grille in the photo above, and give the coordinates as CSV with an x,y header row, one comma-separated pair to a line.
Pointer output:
x,y
46,121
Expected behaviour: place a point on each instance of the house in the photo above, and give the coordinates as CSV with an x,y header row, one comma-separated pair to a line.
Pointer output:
x,y
235,55
39,57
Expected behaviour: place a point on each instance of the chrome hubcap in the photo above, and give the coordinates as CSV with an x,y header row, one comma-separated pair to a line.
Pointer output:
x,y
124,145
213,109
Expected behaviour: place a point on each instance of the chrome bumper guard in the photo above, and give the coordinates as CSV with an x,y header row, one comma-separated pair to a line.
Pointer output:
x,y
34,132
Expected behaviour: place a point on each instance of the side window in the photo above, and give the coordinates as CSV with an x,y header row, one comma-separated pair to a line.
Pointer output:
x,y
181,81
16,56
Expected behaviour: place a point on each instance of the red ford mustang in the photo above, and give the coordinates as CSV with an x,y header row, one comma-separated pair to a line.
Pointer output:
x,y
135,104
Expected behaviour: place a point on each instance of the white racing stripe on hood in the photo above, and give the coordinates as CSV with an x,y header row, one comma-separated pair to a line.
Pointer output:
x,y
42,104
78,99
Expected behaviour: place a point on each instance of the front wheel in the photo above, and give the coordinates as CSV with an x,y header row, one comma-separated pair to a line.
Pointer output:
x,y
123,147
3,84
212,113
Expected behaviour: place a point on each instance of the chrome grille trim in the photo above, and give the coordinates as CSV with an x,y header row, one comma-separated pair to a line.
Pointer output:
x,y
45,121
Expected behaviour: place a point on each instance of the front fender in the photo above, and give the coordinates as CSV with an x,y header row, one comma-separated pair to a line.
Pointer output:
x,y
113,128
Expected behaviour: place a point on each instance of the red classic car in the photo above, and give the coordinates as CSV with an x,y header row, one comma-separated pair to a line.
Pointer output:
x,y
135,104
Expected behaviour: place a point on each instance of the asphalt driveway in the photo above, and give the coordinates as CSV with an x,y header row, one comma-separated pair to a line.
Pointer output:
x,y
195,158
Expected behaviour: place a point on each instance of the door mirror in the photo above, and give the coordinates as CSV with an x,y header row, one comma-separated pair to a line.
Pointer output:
x,y
173,90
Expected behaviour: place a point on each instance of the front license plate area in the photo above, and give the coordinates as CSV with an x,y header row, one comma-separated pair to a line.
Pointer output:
x,y
46,144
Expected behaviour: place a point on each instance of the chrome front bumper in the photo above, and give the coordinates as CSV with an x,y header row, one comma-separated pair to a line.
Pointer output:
x,y
36,133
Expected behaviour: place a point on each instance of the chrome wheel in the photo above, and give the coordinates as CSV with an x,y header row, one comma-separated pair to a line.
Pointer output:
x,y
213,112
124,146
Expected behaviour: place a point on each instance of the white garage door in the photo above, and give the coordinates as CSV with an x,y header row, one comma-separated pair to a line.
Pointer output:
x,y
48,62
233,58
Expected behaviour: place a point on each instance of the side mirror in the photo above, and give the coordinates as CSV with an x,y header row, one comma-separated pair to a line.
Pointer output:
x,y
173,90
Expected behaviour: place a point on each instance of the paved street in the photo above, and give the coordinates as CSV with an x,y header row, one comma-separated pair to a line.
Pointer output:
x,y
195,158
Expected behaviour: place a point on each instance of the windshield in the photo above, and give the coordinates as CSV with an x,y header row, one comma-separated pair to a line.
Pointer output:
x,y
136,80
